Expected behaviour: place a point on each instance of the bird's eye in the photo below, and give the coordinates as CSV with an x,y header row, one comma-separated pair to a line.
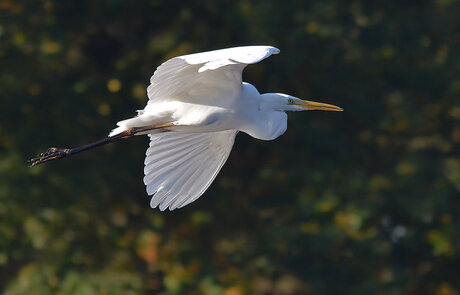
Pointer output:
x,y
290,101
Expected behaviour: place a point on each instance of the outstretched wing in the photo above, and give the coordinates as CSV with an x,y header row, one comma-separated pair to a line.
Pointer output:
x,y
196,75
179,167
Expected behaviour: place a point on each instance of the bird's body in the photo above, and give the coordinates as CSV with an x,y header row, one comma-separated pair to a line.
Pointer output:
x,y
246,111
197,104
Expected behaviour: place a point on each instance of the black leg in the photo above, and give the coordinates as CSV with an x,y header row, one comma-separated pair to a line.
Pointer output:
x,y
58,153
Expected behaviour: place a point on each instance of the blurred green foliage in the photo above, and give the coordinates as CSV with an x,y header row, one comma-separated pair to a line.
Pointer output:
x,y
361,202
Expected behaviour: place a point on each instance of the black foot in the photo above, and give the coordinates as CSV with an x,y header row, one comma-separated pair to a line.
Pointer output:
x,y
49,155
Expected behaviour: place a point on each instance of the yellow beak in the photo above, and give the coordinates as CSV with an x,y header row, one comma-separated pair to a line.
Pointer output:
x,y
311,105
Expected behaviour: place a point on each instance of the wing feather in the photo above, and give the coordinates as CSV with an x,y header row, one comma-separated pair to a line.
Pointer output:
x,y
179,167
184,146
184,193
214,169
164,165
173,193
218,72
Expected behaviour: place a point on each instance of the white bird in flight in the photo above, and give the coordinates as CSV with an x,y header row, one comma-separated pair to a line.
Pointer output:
x,y
197,104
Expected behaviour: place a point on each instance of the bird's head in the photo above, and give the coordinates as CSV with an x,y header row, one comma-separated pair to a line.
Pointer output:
x,y
283,102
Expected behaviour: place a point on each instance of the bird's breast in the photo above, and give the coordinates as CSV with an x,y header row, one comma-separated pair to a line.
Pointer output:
x,y
267,125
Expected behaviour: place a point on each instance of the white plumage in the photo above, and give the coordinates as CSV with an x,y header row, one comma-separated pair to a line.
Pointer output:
x,y
197,104
212,78
203,97
179,167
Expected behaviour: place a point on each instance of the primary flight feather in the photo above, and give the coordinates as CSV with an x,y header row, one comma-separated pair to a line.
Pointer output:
x,y
197,104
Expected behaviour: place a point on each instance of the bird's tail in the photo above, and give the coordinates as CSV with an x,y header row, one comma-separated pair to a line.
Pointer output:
x,y
129,123
117,130
144,125
142,119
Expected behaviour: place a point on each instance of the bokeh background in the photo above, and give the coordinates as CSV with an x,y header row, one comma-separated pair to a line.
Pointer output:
x,y
361,202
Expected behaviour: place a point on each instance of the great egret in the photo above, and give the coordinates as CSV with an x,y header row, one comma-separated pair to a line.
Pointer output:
x,y
197,104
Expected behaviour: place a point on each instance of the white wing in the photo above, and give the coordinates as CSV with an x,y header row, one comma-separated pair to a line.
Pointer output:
x,y
179,167
195,75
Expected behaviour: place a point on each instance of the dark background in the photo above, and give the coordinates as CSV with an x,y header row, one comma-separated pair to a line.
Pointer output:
x,y
361,202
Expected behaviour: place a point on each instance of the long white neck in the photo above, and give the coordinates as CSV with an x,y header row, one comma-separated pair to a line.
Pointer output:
x,y
268,121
